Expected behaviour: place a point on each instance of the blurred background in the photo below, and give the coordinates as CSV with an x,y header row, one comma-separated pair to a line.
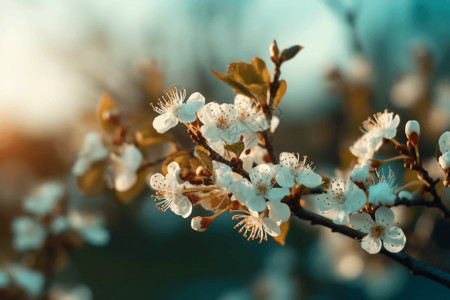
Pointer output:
x,y
359,57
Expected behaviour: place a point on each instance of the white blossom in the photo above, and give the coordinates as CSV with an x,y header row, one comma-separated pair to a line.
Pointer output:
x,y
28,234
220,122
196,224
292,168
250,120
173,109
90,226
379,231
92,150
125,167
31,281
42,199
382,191
254,193
169,191
254,225
411,127
360,174
444,147
342,199
278,211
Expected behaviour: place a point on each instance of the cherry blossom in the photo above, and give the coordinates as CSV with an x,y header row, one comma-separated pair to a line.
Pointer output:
x,y
294,169
42,199
28,233
220,122
92,150
254,193
444,147
382,191
250,120
360,174
342,199
125,167
173,109
254,225
412,126
90,226
169,190
379,231
31,281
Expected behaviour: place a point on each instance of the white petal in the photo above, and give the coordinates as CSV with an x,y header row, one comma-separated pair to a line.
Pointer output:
x,y
81,166
285,178
209,113
276,194
271,227
360,174
341,217
362,222
356,199
124,181
261,175
251,139
274,123
211,132
241,189
181,206
242,102
309,179
131,157
186,113
158,182
173,167
444,160
371,244
384,216
230,112
164,122
288,160
231,134
255,202
444,142
325,202
394,239
279,212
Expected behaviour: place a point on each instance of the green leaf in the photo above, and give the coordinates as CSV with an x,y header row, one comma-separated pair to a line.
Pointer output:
x,y
289,53
236,148
204,157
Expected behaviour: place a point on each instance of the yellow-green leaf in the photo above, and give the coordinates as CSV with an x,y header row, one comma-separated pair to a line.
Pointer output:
x,y
281,239
182,157
92,182
204,157
261,69
148,136
280,94
105,107
236,148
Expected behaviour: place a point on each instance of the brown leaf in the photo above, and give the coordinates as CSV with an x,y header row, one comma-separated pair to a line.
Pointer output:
x,y
106,106
148,136
92,182
281,239
236,148
204,157
182,157
280,94
141,183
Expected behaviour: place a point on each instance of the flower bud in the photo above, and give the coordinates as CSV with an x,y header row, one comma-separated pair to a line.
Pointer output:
x,y
200,223
274,51
412,130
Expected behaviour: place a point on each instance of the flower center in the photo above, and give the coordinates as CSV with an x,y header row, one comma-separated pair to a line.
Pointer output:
x,y
221,122
377,231
261,190
339,198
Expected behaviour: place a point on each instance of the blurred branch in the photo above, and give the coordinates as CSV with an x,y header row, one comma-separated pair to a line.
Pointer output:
x,y
415,266
426,203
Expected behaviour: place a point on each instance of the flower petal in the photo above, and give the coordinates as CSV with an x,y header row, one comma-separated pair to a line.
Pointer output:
x,y
186,113
158,182
276,194
209,113
211,132
341,217
371,244
362,222
255,202
285,178
261,175
181,206
279,212
271,227
444,142
384,216
230,112
309,179
164,122
325,202
394,239
288,160
356,199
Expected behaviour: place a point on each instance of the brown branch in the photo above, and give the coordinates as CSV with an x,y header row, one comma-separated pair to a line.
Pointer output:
x,y
426,203
415,266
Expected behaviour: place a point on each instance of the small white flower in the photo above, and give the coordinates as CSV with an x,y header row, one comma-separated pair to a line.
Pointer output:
x,y
42,199
254,193
220,122
382,230
342,199
251,120
125,167
382,191
90,226
29,234
173,109
256,226
444,147
293,168
93,150
363,151
31,281
169,191
360,174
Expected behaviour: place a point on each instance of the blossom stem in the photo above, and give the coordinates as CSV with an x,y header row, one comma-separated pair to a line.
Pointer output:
x,y
415,266
399,157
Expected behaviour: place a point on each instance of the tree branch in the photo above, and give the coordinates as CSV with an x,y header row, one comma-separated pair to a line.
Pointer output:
x,y
415,266
426,203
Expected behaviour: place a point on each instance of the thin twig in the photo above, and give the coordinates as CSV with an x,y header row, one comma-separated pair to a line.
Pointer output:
x,y
415,266
425,203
